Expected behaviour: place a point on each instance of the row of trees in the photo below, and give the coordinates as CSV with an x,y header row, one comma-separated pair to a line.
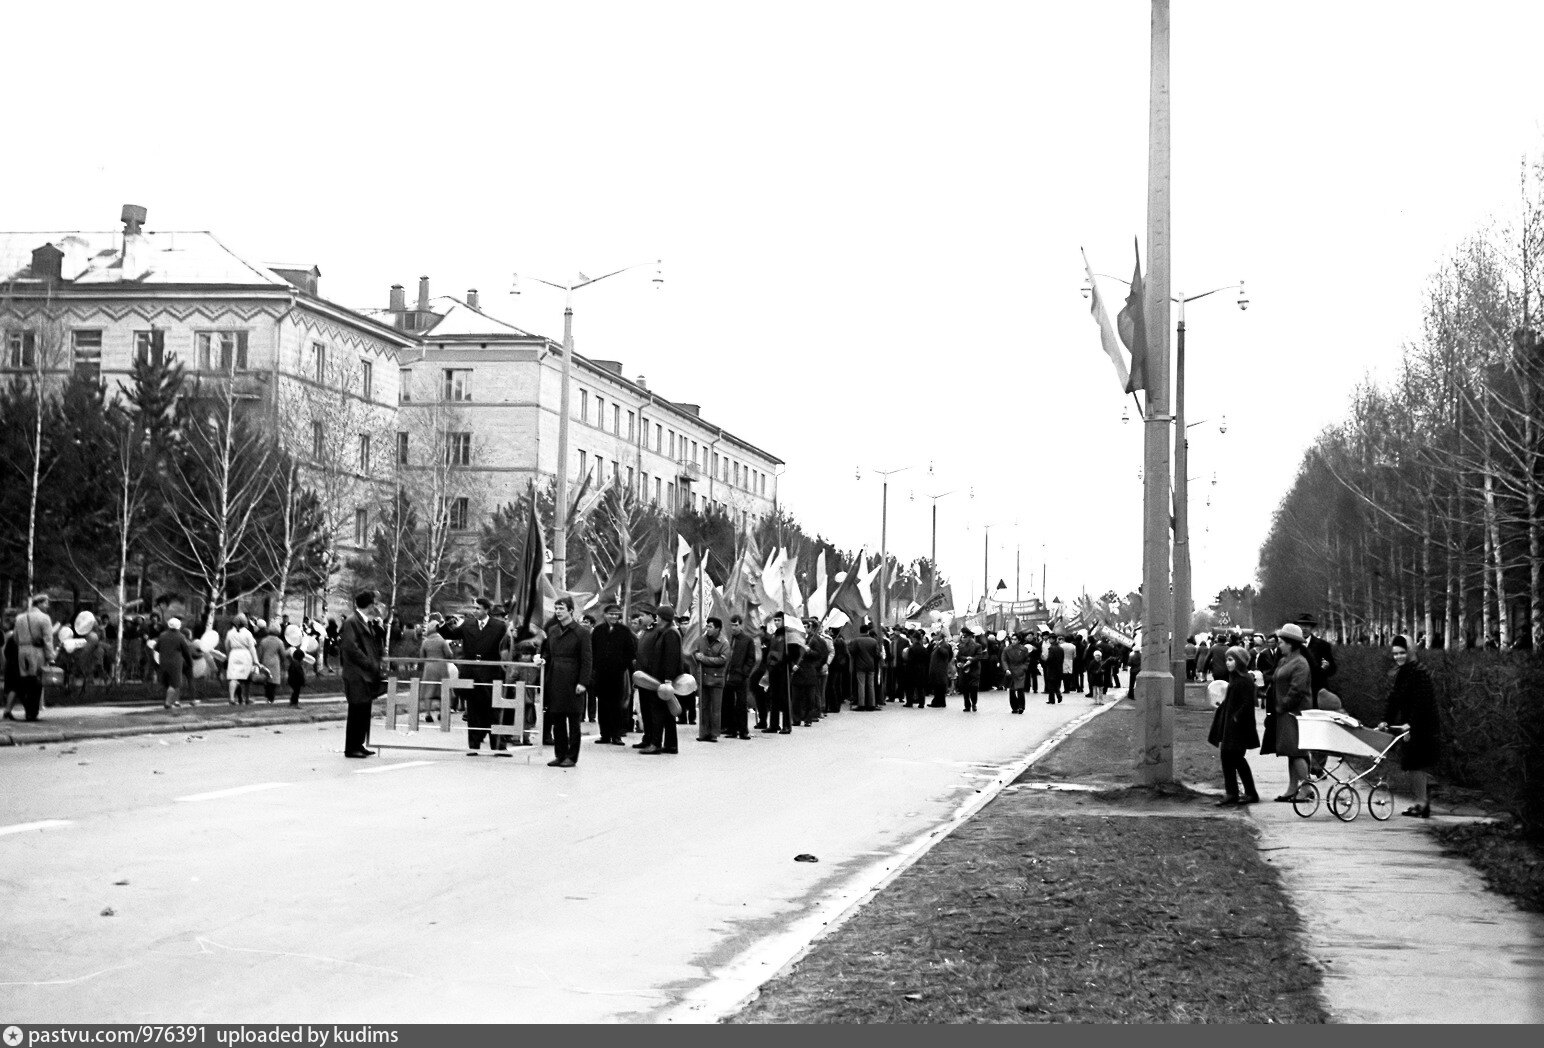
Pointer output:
x,y
1422,512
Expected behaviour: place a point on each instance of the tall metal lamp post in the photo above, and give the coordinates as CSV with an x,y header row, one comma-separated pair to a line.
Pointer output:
x,y
884,534
560,507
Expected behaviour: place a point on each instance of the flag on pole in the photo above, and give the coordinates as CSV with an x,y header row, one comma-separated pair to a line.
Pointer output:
x,y
817,598
771,596
1132,324
533,571
793,596
1107,336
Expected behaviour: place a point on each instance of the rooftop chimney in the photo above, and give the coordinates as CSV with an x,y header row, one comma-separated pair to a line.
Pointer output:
x,y
133,262
398,299
471,299
47,263
642,384
423,294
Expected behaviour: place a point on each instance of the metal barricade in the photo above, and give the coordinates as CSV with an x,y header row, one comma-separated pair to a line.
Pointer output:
x,y
520,690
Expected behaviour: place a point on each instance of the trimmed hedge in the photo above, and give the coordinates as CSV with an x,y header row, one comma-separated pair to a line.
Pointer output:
x,y
1492,707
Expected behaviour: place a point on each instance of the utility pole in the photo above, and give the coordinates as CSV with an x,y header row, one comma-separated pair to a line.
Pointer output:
x,y
1154,686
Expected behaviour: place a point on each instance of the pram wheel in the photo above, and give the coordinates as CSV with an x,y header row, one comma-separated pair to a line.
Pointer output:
x,y
1380,802
1344,802
1306,801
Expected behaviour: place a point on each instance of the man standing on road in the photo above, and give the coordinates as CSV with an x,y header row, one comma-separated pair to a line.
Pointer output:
x,y
659,655
481,637
359,661
783,656
613,648
566,650
737,675
711,656
865,656
1051,658
1320,653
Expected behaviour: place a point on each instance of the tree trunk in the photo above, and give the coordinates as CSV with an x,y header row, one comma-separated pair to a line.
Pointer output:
x,y
37,477
1428,618
1451,627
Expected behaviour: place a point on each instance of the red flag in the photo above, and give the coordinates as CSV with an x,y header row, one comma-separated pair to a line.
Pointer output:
x,y
1131,321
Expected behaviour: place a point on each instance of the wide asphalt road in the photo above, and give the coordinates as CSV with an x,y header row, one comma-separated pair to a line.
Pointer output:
x,y
258,876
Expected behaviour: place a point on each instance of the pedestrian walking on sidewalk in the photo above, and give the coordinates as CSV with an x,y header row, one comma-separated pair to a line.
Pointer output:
x,y
1291,694
1234,733
34,635
175,653
1413,701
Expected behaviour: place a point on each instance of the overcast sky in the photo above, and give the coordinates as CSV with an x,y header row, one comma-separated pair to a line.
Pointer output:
x,y
870,214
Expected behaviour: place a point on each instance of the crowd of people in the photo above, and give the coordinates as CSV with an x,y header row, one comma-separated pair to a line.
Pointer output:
x,y
654,675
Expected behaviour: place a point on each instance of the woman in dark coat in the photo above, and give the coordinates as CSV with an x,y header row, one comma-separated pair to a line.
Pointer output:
x,y
1233,730
1413,701
566,653
1291,694
917,658
939,661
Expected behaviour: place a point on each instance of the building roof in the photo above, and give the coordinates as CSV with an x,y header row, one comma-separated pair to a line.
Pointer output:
x,y
457,320
165,257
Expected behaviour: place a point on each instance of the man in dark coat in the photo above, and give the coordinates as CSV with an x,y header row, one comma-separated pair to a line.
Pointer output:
x,y
783,658
806,680
359,661
737,675
1320,654
918,656
1052,657
567,653
837,682
481,635
865,667
613,649
659,655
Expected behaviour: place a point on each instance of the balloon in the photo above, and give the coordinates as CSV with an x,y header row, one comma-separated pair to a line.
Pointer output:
x,y
1216,691
210,640
308,644
292,635
685,684
66,634
200,669
85,622
74,644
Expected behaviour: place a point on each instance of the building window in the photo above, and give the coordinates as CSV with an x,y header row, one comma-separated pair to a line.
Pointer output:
x,y
629,478
21,349
600,469
659,439
457,513
319,363
224,351
404,385
318,435
670,494
361,527
584,465
632,426
150,347
656,489
364,453
86,351
458,449
736,474
366,379
616,419
694,451
401,449
458,384
715,464
616,470
600,412
584,405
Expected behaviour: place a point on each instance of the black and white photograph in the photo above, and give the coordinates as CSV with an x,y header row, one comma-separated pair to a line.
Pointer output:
x,y
469,472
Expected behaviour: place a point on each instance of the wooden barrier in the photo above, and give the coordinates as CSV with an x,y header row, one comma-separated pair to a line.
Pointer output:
x,y
509,694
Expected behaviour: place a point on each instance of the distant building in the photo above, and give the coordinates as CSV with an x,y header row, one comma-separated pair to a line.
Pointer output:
x,y
505,385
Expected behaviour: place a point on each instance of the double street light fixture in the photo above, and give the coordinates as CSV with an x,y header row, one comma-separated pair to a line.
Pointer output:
x,y
1181,577
884,532
560,508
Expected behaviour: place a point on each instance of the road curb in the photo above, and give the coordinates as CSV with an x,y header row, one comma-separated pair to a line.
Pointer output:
x,y
184,727
741,980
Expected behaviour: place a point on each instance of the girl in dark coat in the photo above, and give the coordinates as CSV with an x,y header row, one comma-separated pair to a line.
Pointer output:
x,y
1233,730
939,661
1413,701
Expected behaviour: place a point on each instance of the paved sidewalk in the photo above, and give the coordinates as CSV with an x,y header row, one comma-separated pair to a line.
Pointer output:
x,y
113,720
1406,934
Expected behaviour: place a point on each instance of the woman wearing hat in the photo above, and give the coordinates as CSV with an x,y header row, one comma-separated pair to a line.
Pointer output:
x,y
1413,701
1291,689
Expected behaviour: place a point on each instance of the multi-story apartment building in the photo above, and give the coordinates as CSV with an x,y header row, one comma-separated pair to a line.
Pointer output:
x,y
505,387
363,395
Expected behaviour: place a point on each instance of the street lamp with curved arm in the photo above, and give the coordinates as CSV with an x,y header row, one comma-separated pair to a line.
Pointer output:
x,y
560,507
884,524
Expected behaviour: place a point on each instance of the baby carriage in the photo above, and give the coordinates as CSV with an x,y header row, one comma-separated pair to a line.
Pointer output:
x,y
1356,758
